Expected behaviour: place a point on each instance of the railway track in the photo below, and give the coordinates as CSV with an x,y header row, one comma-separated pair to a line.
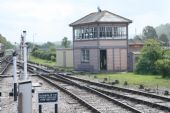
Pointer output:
x,y
119,88
141,101
138,103
93,99
126,92
6,61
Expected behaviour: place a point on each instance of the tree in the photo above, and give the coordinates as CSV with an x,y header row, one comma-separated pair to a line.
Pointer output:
x,y
149,33
7,44
164,39
163,29
138,37
151,52
65,42
163,65
2,39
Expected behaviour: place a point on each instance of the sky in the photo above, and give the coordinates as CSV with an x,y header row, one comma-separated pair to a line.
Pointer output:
x,y
48,20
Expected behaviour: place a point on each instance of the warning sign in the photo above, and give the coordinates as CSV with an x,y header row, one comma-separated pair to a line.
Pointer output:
x,y
48,97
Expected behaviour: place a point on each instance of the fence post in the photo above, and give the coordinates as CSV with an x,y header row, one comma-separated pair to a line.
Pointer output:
x,y
56,108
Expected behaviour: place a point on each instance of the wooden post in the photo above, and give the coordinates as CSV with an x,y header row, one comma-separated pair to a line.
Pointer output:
x,y
56,108
15,91
20,110
40,108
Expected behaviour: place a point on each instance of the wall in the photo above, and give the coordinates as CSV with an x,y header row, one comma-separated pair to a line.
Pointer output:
x,y
116,54
92,65
64,57
135,47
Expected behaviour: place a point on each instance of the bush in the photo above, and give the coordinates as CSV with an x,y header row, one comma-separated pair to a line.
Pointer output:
x,y
44,54
163,65
150,54
52,58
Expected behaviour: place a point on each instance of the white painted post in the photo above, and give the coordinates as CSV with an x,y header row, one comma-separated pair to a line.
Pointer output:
x,y
21,49
15,75
25,56
14,67
25,87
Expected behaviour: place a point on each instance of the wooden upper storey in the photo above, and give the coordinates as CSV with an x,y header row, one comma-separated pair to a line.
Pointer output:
x,y
100,25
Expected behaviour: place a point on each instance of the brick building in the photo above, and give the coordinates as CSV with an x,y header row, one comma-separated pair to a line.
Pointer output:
x,y
100,42
135,46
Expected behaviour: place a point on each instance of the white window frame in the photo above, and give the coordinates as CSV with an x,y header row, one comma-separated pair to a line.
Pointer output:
x,y
85,55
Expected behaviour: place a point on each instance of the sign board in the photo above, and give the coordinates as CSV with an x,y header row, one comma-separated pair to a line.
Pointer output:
x,y
48,97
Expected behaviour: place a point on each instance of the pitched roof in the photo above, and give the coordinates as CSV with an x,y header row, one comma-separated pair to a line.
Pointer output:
x,y
101,17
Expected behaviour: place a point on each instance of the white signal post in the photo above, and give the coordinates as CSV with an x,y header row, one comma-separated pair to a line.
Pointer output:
x,y
25,86
25,56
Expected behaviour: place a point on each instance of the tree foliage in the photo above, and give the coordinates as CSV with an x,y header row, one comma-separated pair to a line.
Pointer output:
x,y
154,59
149,33
2,39
151,52
65,42
163,65
7,44
164,39
48,45
47,55
163,29
45,51
139,37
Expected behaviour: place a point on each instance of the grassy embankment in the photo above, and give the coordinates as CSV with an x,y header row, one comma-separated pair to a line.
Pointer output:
x,y
48,63
135,79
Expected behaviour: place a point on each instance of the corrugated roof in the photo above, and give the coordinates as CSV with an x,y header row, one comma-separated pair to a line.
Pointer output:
x,y
103,16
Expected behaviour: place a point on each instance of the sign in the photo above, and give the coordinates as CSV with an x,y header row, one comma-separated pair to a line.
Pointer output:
x,y
48,97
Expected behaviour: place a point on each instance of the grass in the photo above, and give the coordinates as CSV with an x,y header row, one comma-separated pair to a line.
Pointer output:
x,y
42,61
135,79
49,63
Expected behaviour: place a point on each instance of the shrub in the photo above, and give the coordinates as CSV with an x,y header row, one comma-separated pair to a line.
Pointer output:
x,y
44,54
163,65
150,54
52,58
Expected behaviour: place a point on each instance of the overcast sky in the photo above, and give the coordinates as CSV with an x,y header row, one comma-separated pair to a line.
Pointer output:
x,y
48,20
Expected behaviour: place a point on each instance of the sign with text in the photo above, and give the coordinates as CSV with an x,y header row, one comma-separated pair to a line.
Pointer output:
x,y
48,97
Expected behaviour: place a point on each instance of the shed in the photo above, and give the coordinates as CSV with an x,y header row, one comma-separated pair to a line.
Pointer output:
x,y
64,57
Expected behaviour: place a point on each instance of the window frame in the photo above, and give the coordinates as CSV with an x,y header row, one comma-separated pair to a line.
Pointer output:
x,y
85,55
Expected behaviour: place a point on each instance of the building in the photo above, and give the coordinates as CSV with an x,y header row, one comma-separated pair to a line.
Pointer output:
x,y
135,46
64,57
100,42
